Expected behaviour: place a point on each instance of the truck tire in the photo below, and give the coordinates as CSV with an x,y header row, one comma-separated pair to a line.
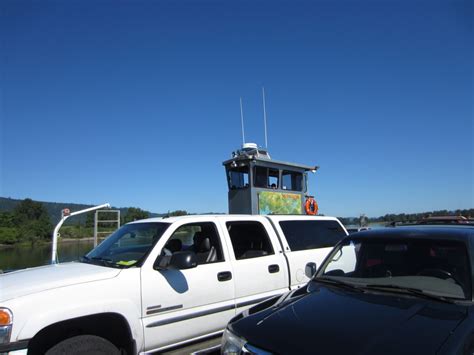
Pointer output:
x,y
84,344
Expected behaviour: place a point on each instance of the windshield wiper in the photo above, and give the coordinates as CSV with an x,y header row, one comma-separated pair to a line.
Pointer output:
x,y
84,259
335,282
104,261
410,290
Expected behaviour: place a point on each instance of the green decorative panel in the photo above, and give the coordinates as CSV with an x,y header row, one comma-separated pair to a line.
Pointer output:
x,y
270,202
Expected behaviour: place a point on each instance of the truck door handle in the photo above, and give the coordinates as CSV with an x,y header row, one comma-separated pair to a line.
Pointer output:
x,y
273,268
224,276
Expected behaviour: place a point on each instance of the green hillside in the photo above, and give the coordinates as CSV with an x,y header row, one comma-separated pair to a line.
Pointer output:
x,y
54,210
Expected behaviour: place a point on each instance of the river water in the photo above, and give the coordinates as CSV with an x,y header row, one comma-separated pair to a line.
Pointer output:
x,y
20,257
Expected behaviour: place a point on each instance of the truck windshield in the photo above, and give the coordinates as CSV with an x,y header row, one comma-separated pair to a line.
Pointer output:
x,y
127,246
435,267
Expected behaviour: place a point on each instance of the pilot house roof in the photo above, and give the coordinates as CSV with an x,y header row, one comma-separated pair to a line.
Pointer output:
x,y
251,153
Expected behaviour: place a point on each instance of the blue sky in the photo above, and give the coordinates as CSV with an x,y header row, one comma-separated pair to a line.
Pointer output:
x,y
136,103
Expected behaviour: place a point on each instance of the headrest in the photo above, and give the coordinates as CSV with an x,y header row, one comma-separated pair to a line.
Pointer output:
x,y
198,237
174,245
201,242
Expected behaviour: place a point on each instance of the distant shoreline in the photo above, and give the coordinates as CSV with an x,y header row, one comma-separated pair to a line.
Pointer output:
x,y
60,240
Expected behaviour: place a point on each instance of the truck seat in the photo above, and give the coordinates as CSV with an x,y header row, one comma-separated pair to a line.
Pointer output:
x,y
205,252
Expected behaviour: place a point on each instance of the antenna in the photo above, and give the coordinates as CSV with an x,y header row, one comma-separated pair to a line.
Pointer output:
x,y
264,117
242,121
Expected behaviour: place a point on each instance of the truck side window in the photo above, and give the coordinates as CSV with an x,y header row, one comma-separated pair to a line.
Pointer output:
x,y
249,239
201,238
303,235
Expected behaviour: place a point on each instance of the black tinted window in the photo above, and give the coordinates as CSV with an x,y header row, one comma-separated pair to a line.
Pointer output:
x,y
249,239
302,235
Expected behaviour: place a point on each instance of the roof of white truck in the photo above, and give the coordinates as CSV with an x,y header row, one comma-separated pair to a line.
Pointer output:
x,y
233,216
299,217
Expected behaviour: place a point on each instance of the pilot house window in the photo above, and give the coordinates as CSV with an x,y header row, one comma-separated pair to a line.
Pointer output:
x,y
265,177
238,178
292,180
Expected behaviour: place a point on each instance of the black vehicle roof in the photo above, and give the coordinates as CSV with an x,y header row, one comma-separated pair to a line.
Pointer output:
x,y
420,232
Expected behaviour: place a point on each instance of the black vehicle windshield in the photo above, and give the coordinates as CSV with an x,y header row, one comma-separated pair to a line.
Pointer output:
x,y
435,267
127,246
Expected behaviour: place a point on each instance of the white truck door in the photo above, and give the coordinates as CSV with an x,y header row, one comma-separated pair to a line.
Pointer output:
x,y
260,270
179,305
306,240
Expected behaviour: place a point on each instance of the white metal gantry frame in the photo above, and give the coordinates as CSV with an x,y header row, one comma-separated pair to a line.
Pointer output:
x,y
97,221
65,214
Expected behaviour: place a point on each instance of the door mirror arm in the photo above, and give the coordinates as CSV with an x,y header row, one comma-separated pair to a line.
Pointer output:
x,y
310,270
162,262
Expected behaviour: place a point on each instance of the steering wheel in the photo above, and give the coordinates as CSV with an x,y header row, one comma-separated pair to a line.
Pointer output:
x,y
440,274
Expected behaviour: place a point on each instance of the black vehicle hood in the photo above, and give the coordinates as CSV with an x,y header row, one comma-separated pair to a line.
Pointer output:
x,y
330,320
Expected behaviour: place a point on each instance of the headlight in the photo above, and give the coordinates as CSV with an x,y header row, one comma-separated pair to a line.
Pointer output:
x,y
6,321
231,343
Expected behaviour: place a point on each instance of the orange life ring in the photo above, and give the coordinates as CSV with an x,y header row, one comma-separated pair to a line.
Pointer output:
x,y
311,206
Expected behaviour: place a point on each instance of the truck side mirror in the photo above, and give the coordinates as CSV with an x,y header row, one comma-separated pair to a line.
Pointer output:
x,y
310,270
181,260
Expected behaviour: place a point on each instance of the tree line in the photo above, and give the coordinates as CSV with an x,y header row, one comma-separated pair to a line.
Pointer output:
x,y
29,222
405,217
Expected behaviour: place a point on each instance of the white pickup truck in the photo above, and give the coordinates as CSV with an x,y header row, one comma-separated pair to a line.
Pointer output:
x,y
160,283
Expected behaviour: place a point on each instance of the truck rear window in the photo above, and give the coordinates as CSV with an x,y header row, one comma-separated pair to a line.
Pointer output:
x,y
303,235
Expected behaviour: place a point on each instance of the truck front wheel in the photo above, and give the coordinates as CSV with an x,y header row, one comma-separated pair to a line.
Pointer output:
x,y
84,344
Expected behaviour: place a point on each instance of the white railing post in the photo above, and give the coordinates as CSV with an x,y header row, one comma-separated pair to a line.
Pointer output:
x,y
65,214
